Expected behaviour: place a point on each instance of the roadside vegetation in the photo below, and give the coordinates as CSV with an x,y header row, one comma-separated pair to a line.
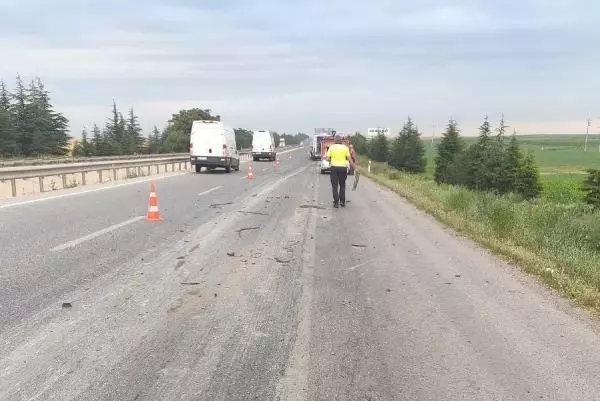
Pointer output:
x,y
532,200
31,127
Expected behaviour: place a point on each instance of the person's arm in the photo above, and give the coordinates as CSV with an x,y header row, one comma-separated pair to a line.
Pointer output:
x,y
328,154
351,160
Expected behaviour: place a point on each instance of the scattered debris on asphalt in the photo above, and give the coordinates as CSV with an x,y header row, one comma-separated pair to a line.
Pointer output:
x,y
246,229
66,305
286,197
190,283
457,275
230,253
279,260
310,207
180,257
359,245
258,213
389,290
215,205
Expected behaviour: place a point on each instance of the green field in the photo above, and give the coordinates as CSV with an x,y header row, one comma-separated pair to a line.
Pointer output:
x,y
561,160
555,237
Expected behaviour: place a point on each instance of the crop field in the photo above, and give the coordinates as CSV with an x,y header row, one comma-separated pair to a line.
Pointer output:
x,y
561,160
554,237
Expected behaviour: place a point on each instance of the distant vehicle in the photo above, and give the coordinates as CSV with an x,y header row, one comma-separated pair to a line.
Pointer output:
x,y
281,142
325,144
213,145
315,151
263,145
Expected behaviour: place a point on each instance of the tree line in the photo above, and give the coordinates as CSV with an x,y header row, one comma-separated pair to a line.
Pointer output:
x,y
29,127
493,163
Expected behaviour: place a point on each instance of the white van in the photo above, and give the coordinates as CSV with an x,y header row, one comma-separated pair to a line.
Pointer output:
x,y
263,145
212,145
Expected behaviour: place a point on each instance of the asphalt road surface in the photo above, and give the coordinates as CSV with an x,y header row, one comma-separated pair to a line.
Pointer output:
x,y
262,291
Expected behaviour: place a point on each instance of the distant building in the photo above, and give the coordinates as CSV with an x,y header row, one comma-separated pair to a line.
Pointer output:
x,y
70,146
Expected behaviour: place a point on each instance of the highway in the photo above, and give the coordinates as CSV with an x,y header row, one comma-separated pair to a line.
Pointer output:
x,y
261,290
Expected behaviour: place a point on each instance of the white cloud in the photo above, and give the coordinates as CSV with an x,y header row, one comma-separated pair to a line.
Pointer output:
x,y
293,66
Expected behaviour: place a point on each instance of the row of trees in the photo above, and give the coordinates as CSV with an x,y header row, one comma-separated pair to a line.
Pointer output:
x,y
493,163
29,125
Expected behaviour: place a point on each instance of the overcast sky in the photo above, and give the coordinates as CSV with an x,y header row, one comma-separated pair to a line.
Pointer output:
x,y
295,65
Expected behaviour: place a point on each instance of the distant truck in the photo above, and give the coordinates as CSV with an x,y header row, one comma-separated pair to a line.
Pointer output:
x,y
281,142
263,145
213,145
325,144
315,151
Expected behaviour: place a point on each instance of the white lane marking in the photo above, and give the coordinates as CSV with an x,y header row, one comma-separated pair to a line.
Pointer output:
x,y
93,235
88,191
210,190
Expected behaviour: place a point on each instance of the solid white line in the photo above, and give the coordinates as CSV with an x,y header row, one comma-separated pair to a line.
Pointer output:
x,y
210,190
93,235
88,191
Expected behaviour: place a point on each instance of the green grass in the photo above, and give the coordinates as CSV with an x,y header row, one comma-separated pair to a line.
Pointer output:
x,y
555,237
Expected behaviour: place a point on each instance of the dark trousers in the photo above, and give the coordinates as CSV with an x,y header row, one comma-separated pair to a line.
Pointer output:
x,y
338,177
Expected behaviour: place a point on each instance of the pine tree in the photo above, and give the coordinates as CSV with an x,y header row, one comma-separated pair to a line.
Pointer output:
x,y
408,151
378,148
86,146
133,134
448,150
155,141
114,133
513,161
98,145
529,186
23,131
8,142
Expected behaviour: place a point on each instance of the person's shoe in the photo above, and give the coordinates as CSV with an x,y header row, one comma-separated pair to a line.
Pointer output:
x,y
343,204
335,205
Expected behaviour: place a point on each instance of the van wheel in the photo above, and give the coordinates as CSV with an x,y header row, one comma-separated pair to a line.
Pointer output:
x,y
228,169
198,168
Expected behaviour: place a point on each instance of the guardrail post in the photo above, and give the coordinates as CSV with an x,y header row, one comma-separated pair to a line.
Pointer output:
x,y
114,174
139,171
41,179
148,170
100,176
13,185
83,178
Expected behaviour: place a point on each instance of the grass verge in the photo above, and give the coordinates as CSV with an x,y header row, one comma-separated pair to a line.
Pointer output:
x,y
557,242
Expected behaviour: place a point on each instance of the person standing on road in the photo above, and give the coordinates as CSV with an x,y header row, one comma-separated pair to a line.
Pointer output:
x,y
339,156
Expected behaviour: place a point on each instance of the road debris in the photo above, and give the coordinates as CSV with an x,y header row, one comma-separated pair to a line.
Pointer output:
x,y
190,283
230,253
66,305
258,213
279,260
359,245
246,229
310,207
215,205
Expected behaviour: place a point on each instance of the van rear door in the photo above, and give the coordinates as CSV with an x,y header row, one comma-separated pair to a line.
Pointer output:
x,y
207,140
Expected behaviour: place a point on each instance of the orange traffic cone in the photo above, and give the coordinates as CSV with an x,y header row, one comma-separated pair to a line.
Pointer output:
x,y
250,176
153,213
277,162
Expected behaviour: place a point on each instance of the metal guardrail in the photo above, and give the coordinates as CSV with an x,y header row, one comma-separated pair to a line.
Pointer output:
x,y
99,165
13,174
72,160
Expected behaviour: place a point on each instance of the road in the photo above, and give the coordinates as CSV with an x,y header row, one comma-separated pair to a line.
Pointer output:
x,y
262,291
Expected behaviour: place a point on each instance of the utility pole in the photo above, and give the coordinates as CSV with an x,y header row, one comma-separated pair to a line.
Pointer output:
x,y
587,133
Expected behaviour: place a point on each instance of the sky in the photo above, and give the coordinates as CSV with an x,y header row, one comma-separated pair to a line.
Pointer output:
x,y
292,66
